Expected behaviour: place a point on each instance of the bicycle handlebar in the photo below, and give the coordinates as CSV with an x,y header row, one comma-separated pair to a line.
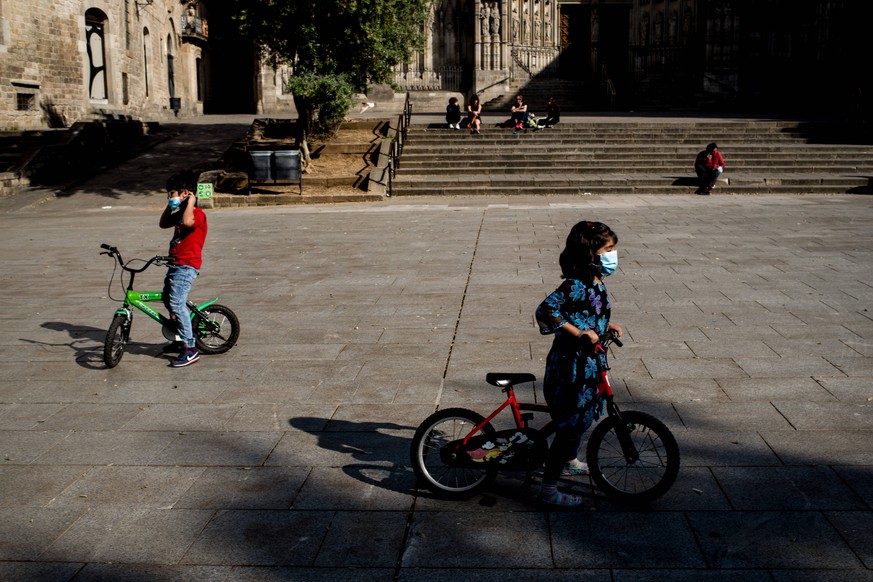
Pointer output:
x,y
114,253
610,337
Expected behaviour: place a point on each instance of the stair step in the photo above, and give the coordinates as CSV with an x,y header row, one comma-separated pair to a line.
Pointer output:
x,y
617,189
627,157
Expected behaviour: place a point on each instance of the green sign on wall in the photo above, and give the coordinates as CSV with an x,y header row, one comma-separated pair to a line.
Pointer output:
x,y
204,190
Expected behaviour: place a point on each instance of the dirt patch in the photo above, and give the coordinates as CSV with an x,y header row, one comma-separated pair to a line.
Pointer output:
x,y
331,165
339,167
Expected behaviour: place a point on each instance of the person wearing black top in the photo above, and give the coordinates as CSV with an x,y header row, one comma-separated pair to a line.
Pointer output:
x,y
519,112
553,114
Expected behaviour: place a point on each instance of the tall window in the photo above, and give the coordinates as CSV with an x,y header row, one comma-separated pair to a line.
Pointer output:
x,y
127,24
146,46
95,30
171,72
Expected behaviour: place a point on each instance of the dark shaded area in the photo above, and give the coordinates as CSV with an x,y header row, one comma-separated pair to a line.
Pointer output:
x,y
57,157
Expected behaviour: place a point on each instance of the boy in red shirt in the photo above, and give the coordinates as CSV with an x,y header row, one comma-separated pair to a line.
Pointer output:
x,y
186,248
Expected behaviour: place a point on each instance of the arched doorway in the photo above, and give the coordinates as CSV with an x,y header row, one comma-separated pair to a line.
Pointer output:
x,y
171,68
95,43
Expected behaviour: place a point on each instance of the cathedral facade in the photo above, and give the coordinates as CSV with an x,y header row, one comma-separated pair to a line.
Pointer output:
x,y
63,61
647,53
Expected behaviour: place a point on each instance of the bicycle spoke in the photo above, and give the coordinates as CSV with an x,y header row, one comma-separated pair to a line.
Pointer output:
x,y
445,479
649,471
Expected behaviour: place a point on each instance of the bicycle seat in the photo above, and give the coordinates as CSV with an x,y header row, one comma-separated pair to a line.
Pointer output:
x,y
502,380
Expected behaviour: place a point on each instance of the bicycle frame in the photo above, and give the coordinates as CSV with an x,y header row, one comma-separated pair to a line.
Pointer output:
x,y
141,299
604,389
632,456
516,408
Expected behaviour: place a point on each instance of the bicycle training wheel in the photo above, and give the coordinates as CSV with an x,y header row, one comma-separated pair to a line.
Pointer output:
x,y
116,338
445,480
633,481
218,332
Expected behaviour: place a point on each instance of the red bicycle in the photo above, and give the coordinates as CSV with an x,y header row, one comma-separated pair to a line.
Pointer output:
x,y
632,456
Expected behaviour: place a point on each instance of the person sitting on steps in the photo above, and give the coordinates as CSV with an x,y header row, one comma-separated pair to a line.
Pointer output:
x,y
519,113
453,114
709,166
474,112
553,114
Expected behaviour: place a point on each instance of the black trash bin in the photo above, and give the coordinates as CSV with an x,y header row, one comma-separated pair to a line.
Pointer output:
x,y
262,169
287,168
176,104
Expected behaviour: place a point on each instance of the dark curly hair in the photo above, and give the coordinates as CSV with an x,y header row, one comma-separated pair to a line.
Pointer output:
x,y
579,258
183,180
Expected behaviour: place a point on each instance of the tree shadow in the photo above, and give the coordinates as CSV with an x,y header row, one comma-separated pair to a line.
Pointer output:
x,y
383,457
142,171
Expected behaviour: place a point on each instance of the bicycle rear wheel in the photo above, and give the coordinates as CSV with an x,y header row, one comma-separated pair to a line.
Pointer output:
x,y
116,338
443,479
218,332
633,481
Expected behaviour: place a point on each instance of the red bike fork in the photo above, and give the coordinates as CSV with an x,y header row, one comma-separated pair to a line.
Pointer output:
x,y
622,432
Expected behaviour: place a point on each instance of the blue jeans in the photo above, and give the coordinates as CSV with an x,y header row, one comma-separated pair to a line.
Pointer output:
x,y
708,177
177,284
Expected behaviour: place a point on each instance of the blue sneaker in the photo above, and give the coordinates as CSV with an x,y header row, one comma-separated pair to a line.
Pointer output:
x,y
185,358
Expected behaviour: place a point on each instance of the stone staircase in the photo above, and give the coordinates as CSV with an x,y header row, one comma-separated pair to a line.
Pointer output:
x,y
646,157
570,95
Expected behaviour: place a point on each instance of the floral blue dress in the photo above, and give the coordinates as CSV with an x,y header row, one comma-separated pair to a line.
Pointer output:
x,y
570,383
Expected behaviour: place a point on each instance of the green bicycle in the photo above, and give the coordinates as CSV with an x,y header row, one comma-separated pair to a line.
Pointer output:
x,y
216,327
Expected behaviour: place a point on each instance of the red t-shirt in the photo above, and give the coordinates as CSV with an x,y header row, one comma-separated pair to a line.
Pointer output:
x,y
186,248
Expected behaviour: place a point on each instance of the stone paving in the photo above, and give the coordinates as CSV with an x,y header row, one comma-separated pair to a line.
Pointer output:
x,y
749,333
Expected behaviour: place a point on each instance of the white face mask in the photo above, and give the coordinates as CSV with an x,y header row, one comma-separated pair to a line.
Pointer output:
x,y
608,263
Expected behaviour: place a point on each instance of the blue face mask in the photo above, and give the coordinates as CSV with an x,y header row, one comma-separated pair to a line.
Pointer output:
x,y
174,202
608,263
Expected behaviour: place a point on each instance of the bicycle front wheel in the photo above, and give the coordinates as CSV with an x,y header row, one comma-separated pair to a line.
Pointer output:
x,y
443,479
218,331
116,338
637,480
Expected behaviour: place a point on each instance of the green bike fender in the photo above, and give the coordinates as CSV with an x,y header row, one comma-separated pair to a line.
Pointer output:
x,y
207,303
123,311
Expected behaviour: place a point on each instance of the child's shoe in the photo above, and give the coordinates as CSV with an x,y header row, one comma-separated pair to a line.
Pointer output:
x,y
575,467
185,358
559,499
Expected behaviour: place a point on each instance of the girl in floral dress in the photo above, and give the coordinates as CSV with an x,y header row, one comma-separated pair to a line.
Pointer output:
x,y
577,313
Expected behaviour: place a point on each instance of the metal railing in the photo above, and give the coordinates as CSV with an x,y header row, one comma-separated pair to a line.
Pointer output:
x,y
608,86
395,149
436,79
532,61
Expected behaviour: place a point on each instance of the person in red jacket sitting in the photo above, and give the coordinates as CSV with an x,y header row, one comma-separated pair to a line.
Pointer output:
x,y
709,165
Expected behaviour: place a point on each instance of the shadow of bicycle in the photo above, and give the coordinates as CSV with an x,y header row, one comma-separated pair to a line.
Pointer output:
x,y
383,460
86,343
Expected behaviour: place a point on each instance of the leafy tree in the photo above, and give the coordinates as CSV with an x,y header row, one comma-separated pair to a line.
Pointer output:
x,y
334,48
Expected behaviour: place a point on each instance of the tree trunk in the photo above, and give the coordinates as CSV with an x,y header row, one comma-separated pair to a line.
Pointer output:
x,y
305,119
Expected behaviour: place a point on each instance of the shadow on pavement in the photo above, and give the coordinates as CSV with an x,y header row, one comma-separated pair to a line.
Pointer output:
x,y
363,441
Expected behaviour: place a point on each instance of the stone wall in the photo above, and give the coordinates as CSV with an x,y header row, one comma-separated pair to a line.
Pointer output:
x,y
45,69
